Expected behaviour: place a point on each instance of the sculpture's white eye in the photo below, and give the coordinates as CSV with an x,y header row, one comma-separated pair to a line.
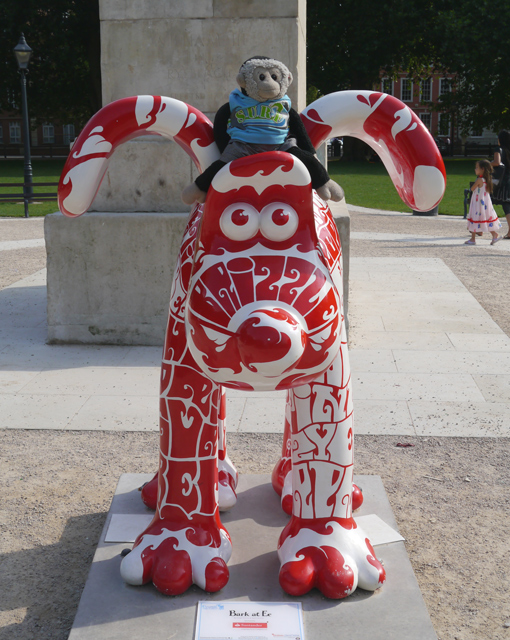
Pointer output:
x,y
240,221
278,221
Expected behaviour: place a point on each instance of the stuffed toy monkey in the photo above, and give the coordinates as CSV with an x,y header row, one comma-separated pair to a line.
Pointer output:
x,y
258,117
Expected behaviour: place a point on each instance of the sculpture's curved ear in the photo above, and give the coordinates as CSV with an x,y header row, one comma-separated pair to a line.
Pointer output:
x,y
119,122
396,134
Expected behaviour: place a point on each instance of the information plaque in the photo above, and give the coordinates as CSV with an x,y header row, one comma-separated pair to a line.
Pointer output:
x,y
249,621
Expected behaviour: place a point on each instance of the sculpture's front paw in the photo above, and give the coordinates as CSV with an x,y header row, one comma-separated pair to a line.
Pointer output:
x,y
176,555
192,194
331,554
331,191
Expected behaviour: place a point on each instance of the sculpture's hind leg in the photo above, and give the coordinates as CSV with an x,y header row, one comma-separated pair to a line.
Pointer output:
x,y
322,546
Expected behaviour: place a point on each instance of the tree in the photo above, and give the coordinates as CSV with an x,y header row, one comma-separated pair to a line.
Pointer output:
x,y
350,42
64,79
472,42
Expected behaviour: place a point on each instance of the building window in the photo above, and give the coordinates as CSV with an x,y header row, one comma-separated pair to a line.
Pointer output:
x,y
15,133
48,134
443,127
387,86
426,119
406,90
68,133
425,90
1,133
444,86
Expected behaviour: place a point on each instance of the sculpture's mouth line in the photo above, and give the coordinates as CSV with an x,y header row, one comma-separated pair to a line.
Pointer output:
x,y
207,324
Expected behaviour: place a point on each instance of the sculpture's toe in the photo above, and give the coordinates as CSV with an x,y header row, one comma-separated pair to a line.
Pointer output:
x,y
323,568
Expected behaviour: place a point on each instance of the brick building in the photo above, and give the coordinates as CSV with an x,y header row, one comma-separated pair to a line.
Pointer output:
x,y
420,96
47,140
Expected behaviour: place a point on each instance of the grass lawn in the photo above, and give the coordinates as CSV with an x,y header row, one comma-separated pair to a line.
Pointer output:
x,y
368,185
42,171
365,184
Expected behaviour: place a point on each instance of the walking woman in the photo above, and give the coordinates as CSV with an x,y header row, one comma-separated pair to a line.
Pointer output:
x,y
502,189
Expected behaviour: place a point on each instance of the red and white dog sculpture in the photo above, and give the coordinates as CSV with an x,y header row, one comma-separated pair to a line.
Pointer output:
x,y
257,305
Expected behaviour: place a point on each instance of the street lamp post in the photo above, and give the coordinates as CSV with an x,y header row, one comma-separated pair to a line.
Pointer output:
x,y
23,53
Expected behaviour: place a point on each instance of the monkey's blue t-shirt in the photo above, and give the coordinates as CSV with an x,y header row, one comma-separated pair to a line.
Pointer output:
x,y
258,122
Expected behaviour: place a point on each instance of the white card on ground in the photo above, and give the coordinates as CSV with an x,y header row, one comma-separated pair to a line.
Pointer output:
x,y
125,527
378,532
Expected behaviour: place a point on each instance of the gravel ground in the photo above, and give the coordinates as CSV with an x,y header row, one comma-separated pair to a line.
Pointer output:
x,y
450,496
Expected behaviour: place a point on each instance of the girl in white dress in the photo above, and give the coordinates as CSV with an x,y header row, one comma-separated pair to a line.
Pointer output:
x,y
482,215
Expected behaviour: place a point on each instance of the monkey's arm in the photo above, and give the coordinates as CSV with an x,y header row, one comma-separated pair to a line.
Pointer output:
x,y
220,127
297,130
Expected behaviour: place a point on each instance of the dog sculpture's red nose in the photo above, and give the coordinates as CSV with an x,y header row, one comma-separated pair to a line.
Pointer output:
x,y
270,341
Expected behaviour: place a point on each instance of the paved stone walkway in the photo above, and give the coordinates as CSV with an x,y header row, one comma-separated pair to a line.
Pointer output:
x,y
427,359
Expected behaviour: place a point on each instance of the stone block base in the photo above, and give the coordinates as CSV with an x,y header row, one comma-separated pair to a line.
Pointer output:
x,y
112,610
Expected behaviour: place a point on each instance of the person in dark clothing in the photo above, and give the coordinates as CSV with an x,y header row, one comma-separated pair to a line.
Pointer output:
x,y
502,190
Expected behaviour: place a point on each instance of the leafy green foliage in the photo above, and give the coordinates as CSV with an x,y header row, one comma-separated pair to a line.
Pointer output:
x,y
473,37
351,41
64,82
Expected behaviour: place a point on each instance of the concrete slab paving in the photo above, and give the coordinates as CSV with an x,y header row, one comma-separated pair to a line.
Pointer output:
x,y
480,341
424,240
111,610
361,340
494,388
460,419
374,360
13,245
386,417
413,347
415,386
43,357
109,381
13,380
116,413
24,303
264,415
25,411
475,363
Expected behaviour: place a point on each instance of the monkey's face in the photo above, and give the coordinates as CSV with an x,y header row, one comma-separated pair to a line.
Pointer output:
x,y
268,81
264,81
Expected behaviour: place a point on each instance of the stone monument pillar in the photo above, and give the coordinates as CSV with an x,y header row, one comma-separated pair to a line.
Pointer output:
x,y
110,271
190,51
